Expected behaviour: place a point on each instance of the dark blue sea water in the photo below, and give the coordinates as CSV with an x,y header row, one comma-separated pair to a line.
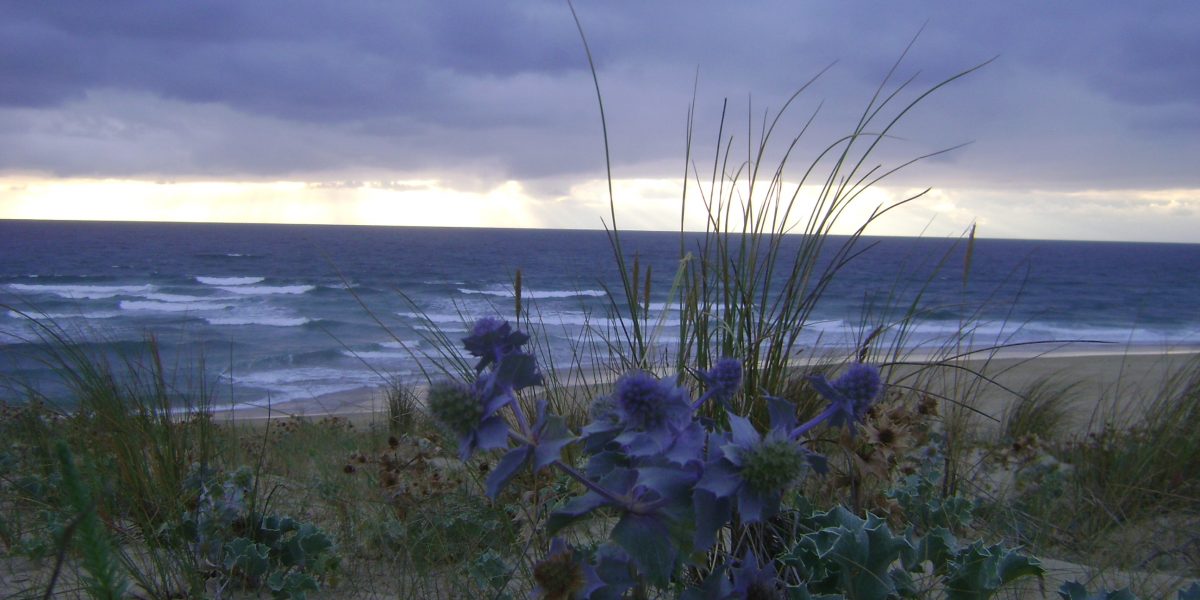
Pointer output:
x,y
272,311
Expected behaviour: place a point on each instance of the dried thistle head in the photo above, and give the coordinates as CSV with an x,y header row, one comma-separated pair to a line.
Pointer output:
x,y
889,435
871,461
560,575
928,406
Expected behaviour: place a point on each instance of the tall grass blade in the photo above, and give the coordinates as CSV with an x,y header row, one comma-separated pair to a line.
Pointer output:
x,y
104,579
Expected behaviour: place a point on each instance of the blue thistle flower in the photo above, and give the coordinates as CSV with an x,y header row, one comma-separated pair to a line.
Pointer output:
x,y
491,339
648,413
753,469
752,581
850,397
644,417
655,512
772,465
749,582
723,380
861,384
550,436
647,404
470,415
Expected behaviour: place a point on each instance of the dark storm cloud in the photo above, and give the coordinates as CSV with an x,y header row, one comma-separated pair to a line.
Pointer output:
x,y
303,61
1094,92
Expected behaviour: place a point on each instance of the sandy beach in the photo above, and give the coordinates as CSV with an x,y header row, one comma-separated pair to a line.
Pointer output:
x,y
1105,381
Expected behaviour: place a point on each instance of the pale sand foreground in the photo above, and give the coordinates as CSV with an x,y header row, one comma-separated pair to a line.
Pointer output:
x,y
1106,382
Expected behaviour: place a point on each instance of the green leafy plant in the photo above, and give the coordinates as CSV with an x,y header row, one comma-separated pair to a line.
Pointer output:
x,y
922,495
1073,590
862,559
249,548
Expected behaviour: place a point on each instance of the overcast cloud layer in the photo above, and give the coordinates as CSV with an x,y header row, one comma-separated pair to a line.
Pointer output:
x,y
1080,96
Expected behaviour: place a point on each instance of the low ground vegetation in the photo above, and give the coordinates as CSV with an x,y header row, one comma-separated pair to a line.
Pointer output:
x,y
191,507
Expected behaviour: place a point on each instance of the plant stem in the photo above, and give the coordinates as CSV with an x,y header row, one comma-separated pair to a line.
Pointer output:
x,y
576,475
817,420
700,402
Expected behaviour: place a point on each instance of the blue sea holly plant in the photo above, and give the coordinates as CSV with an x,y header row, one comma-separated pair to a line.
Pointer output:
x,y
665,481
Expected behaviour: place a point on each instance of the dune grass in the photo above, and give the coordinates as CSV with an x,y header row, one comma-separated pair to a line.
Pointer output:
x,y
1144,466
124,451
743,291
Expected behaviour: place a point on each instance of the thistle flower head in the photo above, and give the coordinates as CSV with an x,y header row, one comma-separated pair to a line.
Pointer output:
x,y
560,574
469,414
773,465
860,384
755,469
456,405
602,407
491,339
724,378
850,395
648,404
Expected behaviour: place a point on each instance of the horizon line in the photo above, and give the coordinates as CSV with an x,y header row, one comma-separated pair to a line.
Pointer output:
x,y
602,228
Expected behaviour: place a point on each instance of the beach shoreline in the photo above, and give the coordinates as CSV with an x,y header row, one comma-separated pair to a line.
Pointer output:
x,y
1110,380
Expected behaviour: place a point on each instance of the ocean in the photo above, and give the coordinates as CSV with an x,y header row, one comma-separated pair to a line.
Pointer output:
x,y
285,312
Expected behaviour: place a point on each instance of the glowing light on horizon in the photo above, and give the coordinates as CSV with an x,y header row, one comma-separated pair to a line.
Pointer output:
x,y
414,203
647,203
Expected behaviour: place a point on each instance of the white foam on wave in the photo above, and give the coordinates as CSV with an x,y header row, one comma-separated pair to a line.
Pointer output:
x,y
508,293
269,320
389,350
84,292
439,329
1038,331
268,290
578,319
377,354
177,306
400,345
305,382
229,280
180,298
62,316
432,317
661,306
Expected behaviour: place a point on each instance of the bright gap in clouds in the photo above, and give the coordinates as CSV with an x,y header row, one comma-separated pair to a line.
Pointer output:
x,y
415,203
642,204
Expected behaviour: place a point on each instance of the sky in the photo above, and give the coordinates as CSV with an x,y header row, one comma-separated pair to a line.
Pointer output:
x,y
1084,123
